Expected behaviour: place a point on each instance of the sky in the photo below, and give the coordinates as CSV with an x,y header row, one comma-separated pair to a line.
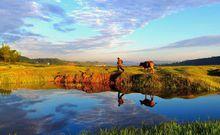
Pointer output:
x,y
102,30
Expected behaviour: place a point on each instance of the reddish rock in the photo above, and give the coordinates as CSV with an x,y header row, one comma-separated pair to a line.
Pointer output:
x,y
69,79
59,79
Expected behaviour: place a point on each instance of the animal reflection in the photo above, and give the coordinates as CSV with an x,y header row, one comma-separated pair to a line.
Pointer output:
x,y
120,98
148,102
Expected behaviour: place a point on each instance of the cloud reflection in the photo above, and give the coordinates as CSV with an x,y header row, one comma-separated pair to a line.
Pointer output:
x,y
16,113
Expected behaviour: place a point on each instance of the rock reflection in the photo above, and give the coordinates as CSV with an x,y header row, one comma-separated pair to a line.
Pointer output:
x,y
97,88
86,87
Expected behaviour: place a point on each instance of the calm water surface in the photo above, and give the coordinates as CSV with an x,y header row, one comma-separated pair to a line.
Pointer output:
x,y
58,111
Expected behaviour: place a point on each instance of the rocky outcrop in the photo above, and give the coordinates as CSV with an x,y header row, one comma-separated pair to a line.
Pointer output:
x,y
83,77
91,81
144,83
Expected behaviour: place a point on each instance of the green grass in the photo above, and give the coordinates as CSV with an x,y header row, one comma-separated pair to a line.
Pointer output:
x,y
170,128
198,74
26,73
173,79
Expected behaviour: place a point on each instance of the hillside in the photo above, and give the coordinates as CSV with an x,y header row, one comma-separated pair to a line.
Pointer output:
x,y
56,61
202,61
53,61
166,82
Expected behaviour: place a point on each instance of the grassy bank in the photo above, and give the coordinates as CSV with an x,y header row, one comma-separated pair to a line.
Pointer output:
x,y
32,73
167,79
171,128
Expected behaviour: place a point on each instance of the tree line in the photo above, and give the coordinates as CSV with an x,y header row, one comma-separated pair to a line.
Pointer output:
x,y
196,62
9,55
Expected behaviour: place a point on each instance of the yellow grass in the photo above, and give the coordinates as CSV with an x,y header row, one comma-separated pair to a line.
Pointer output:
x,y
29,73
196,73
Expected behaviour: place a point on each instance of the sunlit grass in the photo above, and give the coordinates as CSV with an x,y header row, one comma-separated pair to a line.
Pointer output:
x,y
195,76
196,73
25,73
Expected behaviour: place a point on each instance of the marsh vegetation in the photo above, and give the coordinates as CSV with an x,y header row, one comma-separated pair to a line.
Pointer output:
x,y
171,128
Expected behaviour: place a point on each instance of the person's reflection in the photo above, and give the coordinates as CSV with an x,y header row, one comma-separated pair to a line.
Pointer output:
x,y
148,102
120,99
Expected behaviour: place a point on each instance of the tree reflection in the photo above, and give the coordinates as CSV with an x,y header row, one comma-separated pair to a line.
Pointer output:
x,y
5,92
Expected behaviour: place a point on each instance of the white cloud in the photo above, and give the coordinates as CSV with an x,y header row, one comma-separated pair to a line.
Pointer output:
x,y
112,18
199,47
14,13
129,14
117,18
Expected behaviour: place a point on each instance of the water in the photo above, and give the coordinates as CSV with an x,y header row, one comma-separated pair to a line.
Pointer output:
x,y
57,111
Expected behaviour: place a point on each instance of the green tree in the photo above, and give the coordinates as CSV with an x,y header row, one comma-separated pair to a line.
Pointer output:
x,y
5,53
8,55
14,56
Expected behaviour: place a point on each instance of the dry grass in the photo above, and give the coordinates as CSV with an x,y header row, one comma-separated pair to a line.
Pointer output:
x,y
28,73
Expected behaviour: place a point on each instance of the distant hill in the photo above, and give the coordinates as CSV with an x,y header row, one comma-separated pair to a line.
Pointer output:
x,y
51,61
202,61
25,59
56,61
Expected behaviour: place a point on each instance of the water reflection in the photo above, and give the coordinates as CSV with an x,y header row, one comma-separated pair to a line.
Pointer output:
x,y
58,111
7,89
71,108
5,92
120,99
148,102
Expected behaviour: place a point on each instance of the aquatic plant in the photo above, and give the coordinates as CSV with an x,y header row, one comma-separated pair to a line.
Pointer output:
x,y
170,128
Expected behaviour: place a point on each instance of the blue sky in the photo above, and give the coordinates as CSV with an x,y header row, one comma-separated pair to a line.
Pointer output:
x,y
186,24
105,29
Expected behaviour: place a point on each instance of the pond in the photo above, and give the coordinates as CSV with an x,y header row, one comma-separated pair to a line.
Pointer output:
x,y
56,111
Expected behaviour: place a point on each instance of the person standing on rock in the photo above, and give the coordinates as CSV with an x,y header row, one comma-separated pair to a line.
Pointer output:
x,y
120,65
